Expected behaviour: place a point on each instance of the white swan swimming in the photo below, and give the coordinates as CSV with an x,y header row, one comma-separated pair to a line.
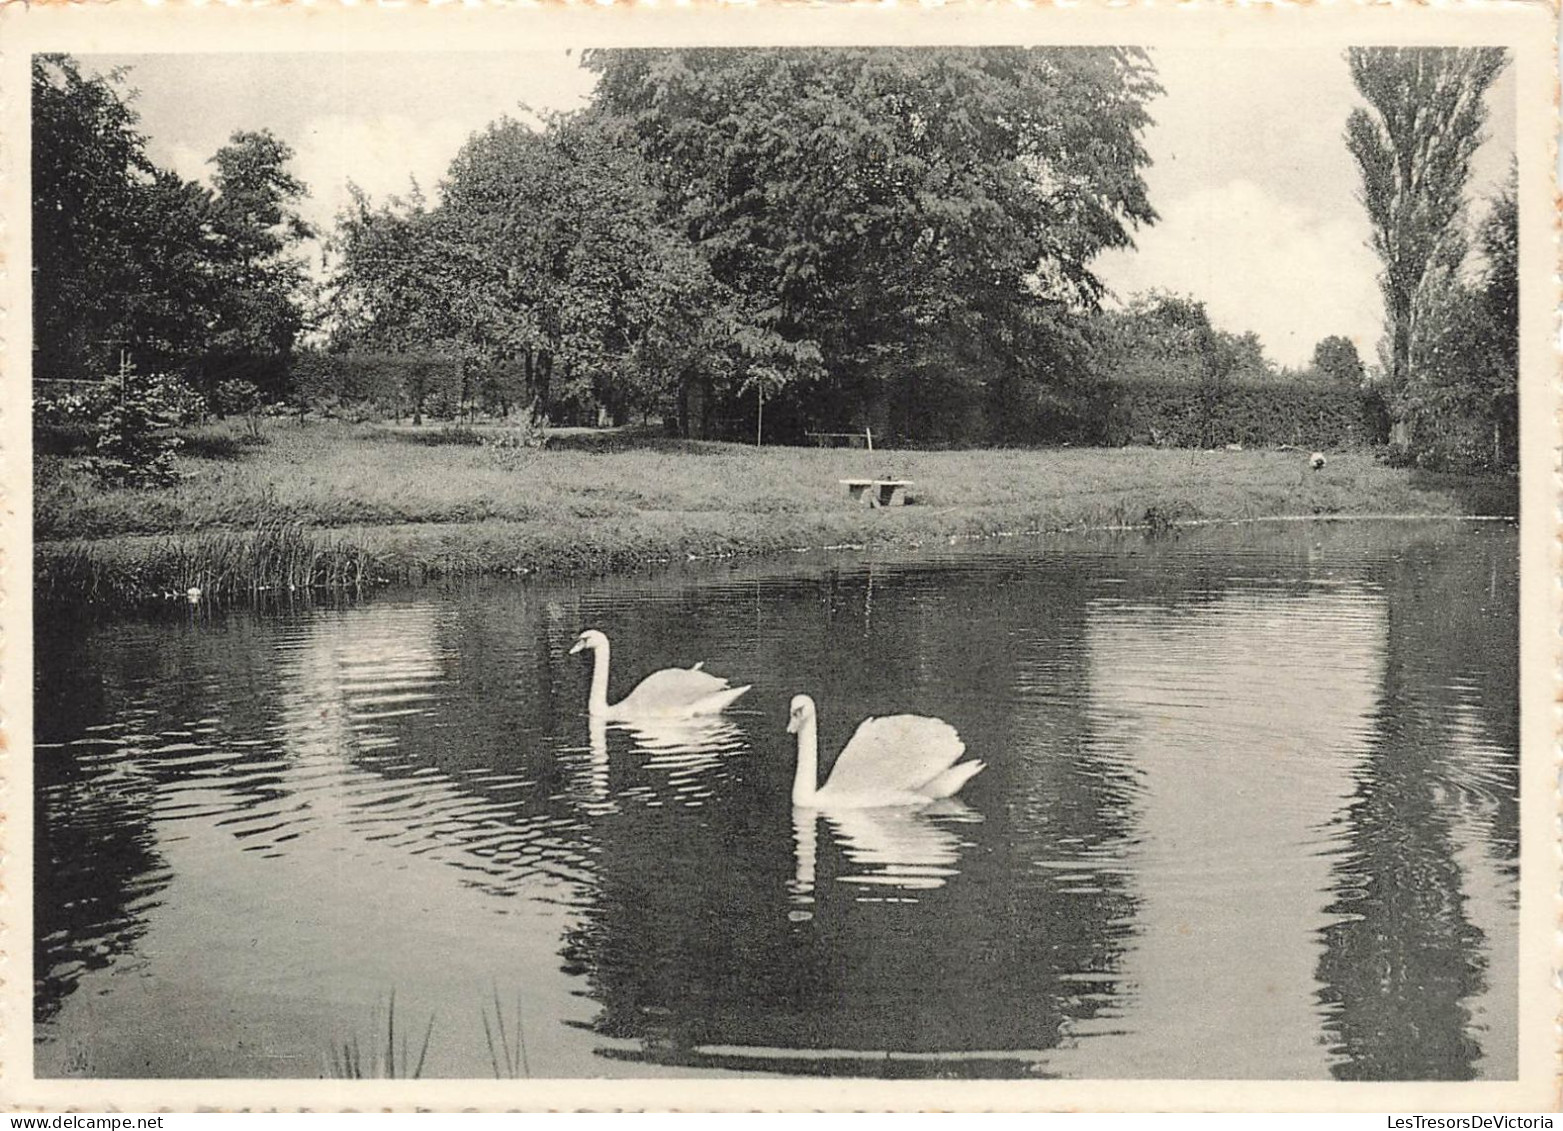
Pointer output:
x,y
896,760
670,693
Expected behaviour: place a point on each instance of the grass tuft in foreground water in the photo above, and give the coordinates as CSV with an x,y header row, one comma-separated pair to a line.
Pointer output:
x,y
345,1059
509,1062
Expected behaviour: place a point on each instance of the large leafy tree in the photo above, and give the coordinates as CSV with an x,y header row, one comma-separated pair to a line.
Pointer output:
x,y
897,224
1414,142
1464,371
90,171
1164,337
1499,240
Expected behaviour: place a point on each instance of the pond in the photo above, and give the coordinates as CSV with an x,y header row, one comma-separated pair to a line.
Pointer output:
x,y
1250,811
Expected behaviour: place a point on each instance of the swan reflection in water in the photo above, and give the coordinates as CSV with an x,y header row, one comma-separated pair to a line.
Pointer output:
x,y
888,849
682,751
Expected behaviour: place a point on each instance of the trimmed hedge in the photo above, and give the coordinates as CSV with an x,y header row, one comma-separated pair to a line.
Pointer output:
x,y
1178,414
388,384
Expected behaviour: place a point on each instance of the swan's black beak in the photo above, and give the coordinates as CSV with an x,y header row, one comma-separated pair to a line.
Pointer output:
x,y
792,724
577,646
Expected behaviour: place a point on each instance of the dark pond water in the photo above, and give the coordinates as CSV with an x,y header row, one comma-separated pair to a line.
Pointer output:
x,y
1251,811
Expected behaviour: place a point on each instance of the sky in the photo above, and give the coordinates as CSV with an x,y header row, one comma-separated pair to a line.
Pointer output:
x,y
1256,191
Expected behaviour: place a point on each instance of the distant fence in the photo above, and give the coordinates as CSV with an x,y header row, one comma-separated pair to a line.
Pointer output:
x,y
60,386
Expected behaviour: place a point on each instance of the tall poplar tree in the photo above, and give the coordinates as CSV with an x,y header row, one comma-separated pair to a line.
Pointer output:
x,y
1413,142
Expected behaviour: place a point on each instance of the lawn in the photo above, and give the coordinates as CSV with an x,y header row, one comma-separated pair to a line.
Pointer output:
x,y
391,504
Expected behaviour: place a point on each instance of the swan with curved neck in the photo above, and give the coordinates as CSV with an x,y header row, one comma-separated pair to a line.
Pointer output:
x,y
670,693
901,760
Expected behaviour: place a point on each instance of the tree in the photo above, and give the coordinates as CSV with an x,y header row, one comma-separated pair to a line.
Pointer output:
x,y
1335,358
1169,337
1464,373
259,279
382,290
1499,241
89,169
896,222
545,256
1413,143
132,260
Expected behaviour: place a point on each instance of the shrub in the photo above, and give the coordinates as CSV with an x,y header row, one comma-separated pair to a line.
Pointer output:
x,y
523,432
135,444
242,398
235,398
65,415
62,404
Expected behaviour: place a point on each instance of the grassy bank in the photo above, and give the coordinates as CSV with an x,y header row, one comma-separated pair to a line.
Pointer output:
x,y
336,504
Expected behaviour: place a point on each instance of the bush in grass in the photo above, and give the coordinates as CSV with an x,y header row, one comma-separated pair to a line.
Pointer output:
x,y
65,415
241,398
72,404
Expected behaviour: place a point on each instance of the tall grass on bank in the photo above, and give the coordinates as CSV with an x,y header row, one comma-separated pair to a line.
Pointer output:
x,y
273,556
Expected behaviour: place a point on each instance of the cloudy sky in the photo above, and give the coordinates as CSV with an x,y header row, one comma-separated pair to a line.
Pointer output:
x,y
1255,188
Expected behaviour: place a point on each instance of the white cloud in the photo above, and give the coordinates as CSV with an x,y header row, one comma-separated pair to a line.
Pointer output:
x,y
1260,263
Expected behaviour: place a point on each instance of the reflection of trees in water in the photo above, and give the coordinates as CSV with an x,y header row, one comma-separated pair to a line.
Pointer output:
x,y
95,866
1240,738
1404,963
98,773
258,723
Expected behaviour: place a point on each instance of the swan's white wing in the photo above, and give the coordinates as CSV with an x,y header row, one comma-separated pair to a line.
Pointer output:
x,y
671,689
897,752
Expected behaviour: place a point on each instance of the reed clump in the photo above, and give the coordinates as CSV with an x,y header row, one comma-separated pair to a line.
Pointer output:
x,y
270,557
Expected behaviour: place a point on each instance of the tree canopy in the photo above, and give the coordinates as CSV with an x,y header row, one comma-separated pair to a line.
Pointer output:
x,y
90,176
1336,359
893,221
1463,372
885,236
543,256
1169,337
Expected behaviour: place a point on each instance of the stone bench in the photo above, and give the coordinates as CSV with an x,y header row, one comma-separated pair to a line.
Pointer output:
x,y
877,492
